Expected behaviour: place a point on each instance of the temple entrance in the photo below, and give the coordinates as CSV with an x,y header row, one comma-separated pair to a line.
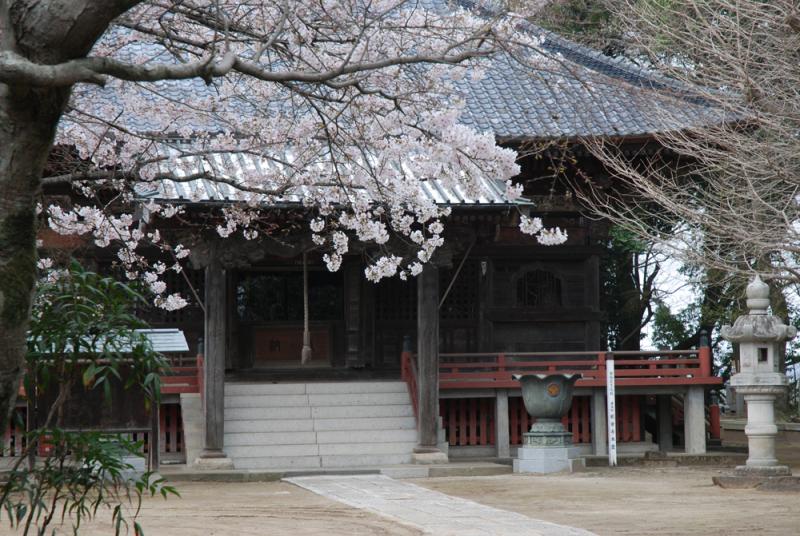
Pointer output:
x,y
269,317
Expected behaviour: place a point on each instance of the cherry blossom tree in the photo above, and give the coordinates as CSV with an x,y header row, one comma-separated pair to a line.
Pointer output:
x,y
345,104
725,196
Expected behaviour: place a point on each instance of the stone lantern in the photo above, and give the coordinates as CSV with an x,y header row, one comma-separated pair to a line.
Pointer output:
x,y
762,341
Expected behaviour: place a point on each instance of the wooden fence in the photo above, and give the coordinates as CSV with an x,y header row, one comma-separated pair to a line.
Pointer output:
x,y
171,444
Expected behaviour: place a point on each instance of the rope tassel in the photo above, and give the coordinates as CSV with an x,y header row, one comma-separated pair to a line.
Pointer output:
x,y
306,353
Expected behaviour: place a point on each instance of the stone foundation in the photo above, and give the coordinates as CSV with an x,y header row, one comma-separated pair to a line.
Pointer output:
x,y
548,460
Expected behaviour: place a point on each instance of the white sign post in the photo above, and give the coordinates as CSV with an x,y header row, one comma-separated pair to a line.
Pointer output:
x,y
611,410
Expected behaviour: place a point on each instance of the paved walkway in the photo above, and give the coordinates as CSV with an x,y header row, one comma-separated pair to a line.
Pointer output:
x,y
427,510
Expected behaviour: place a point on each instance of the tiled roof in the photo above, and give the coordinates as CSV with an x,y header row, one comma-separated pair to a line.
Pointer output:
x,y
236,166
577,92
572,92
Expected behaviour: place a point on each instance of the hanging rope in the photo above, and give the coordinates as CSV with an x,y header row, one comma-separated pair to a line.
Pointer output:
x,y
305,354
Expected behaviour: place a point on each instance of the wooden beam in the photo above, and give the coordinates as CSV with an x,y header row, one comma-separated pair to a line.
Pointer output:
x,y
428,355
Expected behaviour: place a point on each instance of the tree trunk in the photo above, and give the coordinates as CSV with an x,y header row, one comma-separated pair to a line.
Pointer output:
x,y
45,32
28,119
630,300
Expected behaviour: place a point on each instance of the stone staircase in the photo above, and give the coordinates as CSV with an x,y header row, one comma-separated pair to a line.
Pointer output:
x,y
318,425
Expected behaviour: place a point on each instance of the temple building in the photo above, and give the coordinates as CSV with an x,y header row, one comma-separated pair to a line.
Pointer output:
x,y
404,369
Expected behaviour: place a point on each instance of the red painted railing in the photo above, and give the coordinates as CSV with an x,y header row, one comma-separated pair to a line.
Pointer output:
x,y
183,379
632,368
408,371
714,421
471,421
180,380
171,444
577,421
13,437
468,421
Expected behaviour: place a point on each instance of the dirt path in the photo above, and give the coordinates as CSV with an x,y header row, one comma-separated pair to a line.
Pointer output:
x,y
623,501
252,509
652,501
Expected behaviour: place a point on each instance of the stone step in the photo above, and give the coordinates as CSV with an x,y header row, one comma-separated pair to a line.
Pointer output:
x,y
326,400
271,451
366,449
358,399
265,401
269,425
367,423
366,436
362,412
270,438
309,425
236,388
241,388
375,460
322,388
252,414
279,462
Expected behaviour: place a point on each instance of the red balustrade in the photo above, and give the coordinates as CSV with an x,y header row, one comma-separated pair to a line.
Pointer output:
x,y
468,422
632,368
715,426
408,371
577,421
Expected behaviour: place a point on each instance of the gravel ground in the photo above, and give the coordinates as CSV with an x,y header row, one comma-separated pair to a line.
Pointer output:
x,y
252,509
652,501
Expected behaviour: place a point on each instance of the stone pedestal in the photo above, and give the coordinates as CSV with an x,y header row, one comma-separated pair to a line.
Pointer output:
x,y
213,460
547,448
548,460
428,456
761,430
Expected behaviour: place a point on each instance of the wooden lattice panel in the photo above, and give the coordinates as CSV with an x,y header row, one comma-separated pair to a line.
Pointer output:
x,y
462,300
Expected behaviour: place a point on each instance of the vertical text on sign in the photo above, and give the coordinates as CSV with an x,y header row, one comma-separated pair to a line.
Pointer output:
x,y
611,410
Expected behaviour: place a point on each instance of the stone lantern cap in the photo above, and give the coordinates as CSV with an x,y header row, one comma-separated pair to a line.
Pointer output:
x,y
758,325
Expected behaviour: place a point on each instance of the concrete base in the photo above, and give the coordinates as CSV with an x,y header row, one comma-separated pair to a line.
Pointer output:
x,y
770,470
548,460
177,473
213,463
720,459
192,415
428,456
766,483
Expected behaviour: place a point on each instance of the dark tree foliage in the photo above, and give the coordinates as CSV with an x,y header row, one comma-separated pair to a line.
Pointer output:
x,y
82,326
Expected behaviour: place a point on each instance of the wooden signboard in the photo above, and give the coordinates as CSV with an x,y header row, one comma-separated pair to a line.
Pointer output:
x,y
284,344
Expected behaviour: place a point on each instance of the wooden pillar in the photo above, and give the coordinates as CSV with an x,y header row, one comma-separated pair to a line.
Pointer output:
x,y
216,344
153,456
502,441
428,356
599,422
664,419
